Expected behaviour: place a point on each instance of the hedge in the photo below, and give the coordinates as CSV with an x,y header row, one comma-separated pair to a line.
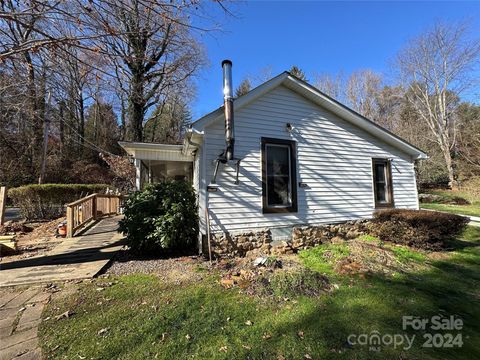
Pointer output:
x,y
47,201
422,229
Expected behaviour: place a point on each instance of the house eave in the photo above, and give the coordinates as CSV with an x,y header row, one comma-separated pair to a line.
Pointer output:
x,y
192,141
153,151
316,96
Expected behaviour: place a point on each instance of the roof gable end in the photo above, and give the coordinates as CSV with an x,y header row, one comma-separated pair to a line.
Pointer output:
x,y
317,97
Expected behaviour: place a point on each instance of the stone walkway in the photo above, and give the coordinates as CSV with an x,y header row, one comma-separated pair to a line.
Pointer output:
x,y
21,310
77,258
20,315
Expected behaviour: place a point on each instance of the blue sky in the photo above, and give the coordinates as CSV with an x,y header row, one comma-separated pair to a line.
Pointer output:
x,y
319,37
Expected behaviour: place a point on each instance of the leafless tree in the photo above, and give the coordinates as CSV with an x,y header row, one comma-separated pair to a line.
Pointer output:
x,y
151,47
361,90
332,85
130,54
437,67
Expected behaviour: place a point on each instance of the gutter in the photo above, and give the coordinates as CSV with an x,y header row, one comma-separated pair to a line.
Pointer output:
x,y
188,144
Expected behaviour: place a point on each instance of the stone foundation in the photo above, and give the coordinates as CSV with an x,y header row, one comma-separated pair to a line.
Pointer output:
x,y
308,236
254,243
241,244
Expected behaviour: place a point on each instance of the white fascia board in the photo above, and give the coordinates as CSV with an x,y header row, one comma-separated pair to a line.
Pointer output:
x,y
152,151
240,102
356,119
127,145
321,99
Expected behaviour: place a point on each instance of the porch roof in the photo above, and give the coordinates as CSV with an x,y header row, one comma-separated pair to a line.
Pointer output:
x,y
152,151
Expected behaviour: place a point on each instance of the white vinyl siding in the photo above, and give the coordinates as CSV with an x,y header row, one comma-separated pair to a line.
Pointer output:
x,y
334,160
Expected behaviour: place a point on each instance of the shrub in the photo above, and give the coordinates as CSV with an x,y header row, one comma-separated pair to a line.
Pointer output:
x,y
47,201
163,217
458,200
444,198
418,228
472,187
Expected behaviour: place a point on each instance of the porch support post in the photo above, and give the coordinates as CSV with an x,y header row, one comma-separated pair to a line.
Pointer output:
x,y
149,172
138,174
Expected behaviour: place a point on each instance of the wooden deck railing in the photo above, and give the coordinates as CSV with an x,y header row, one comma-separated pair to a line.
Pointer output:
x,y
91,208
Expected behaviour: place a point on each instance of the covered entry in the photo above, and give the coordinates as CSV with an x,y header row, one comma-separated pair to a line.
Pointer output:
x,y
159,162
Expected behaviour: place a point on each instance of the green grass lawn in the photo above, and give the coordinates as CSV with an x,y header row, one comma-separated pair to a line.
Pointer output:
x,y
473,209
470,210
146,318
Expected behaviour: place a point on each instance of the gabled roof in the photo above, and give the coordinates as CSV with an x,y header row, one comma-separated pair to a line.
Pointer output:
x,y
316,96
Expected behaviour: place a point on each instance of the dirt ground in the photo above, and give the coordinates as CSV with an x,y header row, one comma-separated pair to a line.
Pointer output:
x,y
231,272
364,257
177,269
33,238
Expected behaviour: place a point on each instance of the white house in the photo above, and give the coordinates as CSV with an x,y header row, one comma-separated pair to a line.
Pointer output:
x,y
298,157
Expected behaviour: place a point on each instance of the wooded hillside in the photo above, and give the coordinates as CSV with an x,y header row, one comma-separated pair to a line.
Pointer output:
x,y
78,76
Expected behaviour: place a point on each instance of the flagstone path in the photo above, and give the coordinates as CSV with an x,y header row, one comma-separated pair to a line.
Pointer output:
x,y
22,297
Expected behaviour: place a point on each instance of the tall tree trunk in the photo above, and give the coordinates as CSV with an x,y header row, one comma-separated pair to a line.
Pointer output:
x,y
123,120
136,121
43,124
452,182
81,112
32,99
136,108
61,112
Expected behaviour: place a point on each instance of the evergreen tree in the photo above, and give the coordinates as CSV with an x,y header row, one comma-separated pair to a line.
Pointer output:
x,y
101,129
244,87
297,72
168,122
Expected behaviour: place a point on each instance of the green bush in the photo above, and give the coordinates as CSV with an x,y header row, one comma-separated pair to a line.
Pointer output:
x,y
417,228
442,198
161,218
47,201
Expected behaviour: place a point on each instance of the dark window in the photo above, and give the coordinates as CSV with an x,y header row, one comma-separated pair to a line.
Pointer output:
x,y
279,175
382,182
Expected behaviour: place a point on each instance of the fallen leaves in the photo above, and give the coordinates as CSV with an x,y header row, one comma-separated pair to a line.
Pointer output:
x,y
65,315
103,331
52,288
104,284
227,283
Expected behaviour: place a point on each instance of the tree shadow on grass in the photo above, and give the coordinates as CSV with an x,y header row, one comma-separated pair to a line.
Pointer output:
x,y
126,255
378,303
